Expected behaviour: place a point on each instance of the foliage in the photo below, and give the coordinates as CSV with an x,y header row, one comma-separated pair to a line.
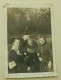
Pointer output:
x,y
28,20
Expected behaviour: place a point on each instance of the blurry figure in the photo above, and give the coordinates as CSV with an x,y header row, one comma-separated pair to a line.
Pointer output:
x,y
15,57
26,37
31,58
46,56
24,41
22,49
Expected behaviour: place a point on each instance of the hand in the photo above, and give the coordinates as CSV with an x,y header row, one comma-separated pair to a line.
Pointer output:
x,y
38,54
40,59
28,68
49,65
24,53
20,54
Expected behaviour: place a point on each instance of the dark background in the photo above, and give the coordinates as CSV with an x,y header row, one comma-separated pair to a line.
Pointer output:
x,y
28,20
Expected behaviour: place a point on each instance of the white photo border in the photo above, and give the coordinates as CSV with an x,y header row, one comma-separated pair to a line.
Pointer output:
x,y
29,75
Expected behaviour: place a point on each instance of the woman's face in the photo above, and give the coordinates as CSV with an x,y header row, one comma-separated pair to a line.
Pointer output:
x,y
25,37
16,43
42,41
30,42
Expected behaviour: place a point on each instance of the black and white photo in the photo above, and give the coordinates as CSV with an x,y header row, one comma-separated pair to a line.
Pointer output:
x,y
30,42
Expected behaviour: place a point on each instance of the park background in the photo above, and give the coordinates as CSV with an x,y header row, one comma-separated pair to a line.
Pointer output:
x,y
35,22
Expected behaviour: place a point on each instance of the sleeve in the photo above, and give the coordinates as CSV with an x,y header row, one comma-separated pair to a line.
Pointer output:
x,y
51,54
11,59
48,56
37,48
20,59
12,56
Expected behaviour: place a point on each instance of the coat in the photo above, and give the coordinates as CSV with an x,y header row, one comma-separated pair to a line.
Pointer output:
x,y
19,60
46,54
31,58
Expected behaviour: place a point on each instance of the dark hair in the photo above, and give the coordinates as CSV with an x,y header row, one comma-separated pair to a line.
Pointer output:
x,y
44,39
13,39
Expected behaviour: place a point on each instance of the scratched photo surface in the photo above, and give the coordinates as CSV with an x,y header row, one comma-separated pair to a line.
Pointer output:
x,y
29,40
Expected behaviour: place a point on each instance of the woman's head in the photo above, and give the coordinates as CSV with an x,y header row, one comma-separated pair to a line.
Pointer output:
x,y
16,43
30,41
42,40
26,37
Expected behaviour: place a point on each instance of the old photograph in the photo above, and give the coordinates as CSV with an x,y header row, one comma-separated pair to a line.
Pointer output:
x,y
29,42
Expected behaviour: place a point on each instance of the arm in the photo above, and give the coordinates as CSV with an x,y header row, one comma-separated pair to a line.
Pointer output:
x,y
38,53
11,60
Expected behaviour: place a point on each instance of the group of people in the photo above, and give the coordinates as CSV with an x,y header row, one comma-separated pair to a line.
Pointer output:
x,y
27,56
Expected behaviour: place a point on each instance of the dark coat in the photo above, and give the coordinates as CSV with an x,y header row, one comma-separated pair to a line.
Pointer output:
x,y
31,58
46,54
22,46
19,60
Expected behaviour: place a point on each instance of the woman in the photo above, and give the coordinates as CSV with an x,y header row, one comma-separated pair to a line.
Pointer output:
x,y
15,57
31,58
46,55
